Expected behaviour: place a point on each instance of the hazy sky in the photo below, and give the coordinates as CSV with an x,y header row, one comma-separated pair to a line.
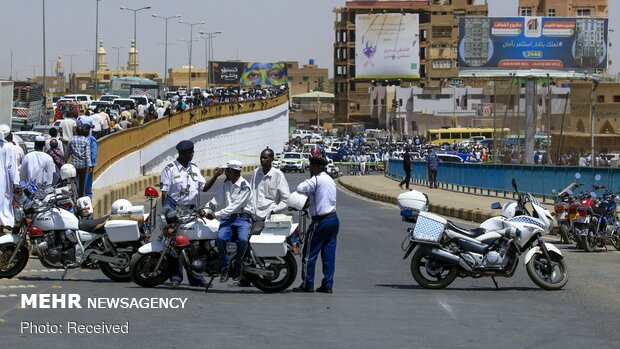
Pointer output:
x,y
267,30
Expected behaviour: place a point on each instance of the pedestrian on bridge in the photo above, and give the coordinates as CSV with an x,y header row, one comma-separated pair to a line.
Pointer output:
x,y
406,168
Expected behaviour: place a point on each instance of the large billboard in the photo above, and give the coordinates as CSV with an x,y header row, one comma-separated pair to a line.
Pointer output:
x,y
387,46
249,73
532,43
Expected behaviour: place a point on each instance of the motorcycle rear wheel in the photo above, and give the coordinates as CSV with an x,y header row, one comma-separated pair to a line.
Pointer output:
x,y
588,243
615,240
430,273
18,264
115,273
140,269
564,233
280,281
554,280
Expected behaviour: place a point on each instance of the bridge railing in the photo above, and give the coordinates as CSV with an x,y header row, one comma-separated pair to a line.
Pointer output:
x,y
494,179
117,145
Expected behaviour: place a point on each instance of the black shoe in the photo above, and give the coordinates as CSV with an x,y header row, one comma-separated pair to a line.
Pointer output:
x,y
236,276
201,283
302,289
175,284
324,290
224,277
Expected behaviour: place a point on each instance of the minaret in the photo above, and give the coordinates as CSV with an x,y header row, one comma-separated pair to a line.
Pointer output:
x,y
60,69
102,61
132,63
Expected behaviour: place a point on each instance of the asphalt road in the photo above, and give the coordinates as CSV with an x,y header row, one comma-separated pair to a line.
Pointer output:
x,y
375,304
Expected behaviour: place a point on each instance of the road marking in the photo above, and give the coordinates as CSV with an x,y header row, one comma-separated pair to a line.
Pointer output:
x,y
56,286
16,286
447,307
12,295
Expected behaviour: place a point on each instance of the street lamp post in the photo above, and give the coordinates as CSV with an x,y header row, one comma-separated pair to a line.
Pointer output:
x,y
135,66
191,34
210,54
189,42
118,61
166,46
94,59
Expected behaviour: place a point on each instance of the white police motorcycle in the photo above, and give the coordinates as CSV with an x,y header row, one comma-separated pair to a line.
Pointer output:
x,y
441,251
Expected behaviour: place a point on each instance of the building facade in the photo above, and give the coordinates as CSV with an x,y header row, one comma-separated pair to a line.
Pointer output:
x,y
564,8
307,78
438,41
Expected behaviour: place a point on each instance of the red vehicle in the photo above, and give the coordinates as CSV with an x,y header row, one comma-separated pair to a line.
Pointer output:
x,y
63,107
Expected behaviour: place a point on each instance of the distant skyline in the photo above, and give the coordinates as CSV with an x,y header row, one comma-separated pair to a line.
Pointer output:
x,y
272,30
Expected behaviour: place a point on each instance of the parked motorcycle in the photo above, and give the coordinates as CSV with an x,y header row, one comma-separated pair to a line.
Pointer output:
x,y
565,210
268,262
62,241
442,251
604,225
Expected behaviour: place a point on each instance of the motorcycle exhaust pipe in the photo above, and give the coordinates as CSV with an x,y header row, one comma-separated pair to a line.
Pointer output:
x,y
450,258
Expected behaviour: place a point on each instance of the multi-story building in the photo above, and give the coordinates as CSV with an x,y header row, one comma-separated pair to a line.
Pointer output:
x,y
437,38
307,78
564,8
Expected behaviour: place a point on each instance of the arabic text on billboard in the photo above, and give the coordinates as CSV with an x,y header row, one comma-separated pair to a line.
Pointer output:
x,y
387,46
533,43
250,73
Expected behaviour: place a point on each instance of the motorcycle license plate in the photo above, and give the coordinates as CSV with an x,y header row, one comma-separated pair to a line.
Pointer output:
x,y
584,220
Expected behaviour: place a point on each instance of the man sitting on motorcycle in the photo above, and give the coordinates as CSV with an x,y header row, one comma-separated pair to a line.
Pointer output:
x,y
234,217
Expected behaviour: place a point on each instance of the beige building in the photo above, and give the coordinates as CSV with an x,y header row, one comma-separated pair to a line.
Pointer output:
x,y
179,77
438,23
307,78
564,8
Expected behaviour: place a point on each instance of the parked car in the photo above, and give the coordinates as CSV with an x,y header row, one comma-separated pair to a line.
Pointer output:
x,y
108,98
450,158
28,138
125,103
144,100
19,123
81,98
99,104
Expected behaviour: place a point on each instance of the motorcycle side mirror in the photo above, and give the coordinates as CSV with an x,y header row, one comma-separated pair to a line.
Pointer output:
x,y
593,194
597,177
553,191
570,192
578,175
496,206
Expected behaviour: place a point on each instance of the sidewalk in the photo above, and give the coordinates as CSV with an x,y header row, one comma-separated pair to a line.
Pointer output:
x,y
470,207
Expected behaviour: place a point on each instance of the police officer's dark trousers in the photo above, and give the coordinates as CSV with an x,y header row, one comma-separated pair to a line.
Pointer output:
x,y
320,238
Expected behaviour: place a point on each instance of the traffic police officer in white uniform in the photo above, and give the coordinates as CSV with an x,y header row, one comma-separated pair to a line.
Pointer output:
x,y
181,183
322,233
234,196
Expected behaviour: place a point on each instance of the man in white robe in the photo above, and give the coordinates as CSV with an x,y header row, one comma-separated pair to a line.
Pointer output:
x,y
8,176
37,166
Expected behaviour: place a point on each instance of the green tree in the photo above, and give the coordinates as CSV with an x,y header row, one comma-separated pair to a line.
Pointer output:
x,y
321,84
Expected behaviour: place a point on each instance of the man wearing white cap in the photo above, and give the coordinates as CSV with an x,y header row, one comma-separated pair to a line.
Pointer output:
x,y
37,166
234,217
18,152
8,177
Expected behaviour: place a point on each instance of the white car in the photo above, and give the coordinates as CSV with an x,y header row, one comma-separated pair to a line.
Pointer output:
x,y
293,162
28,138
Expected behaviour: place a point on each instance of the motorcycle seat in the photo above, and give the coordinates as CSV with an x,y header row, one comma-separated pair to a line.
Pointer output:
x,y
474,233
93,225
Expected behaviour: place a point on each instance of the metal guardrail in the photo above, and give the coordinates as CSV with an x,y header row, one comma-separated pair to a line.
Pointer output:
x,y
117,145
496,179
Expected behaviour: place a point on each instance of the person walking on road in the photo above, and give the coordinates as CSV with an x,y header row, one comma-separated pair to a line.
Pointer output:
x,y
180,184
79,152
407,169
37,166
432,162
321,236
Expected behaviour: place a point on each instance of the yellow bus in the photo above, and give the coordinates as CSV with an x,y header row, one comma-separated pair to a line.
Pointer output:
x,y
460,134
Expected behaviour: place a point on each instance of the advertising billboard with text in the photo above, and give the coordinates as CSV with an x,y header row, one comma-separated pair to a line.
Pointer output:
x,y
533,43
249,73
387,46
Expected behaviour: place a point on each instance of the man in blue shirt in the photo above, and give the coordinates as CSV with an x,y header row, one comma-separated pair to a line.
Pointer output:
x,y
432,162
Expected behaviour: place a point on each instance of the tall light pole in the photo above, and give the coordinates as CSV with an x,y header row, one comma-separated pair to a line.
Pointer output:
x,y
210,55
165,46
94,58
135,66
189,58
191,35
96,47
44,59
118,55
34,69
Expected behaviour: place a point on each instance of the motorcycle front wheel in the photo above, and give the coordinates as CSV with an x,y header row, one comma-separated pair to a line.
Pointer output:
x,y
564,233
141,269
545,276
431,273
285,272
588,243
615,239
17,265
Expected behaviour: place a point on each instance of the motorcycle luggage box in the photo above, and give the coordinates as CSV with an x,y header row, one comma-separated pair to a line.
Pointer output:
x,y
133,210
278,224
411,203
122,230
268,245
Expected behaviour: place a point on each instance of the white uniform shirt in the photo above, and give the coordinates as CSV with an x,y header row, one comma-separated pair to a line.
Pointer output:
x,y
234,197
270,192
160,112
96,122
8,177
67,126
182,184
18,152
321,192
37,167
